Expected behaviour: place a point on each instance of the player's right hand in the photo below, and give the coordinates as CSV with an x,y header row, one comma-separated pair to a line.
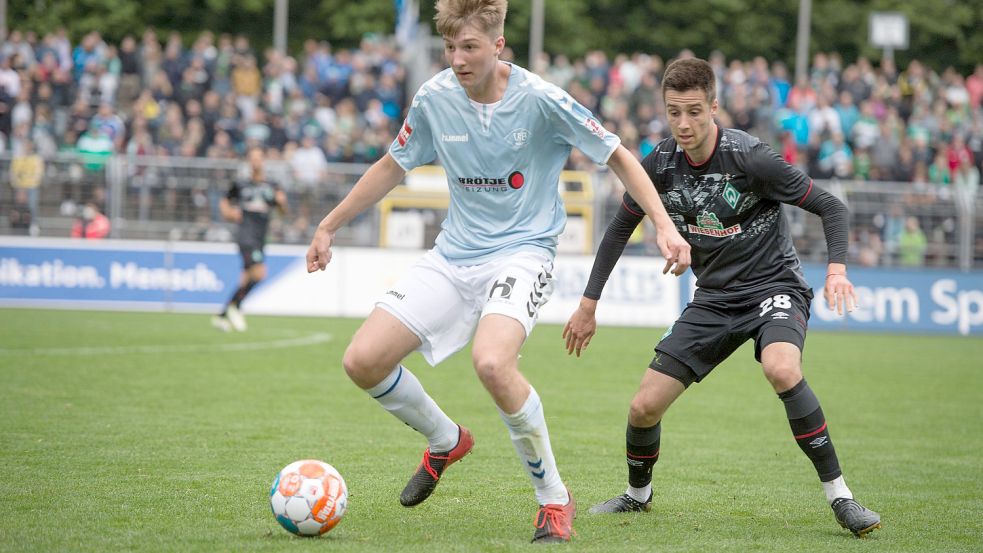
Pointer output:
x,y
319,254
675,249
579,330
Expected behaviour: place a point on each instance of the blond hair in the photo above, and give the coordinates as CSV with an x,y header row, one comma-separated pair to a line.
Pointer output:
x,y
485,15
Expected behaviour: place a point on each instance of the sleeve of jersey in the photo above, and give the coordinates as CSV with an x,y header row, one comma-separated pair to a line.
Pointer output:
x,y
575,125
233,193
413,145
612,246
836,222
774,178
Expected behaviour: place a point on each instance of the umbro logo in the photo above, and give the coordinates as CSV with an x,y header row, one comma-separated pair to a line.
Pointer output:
x,y
819,441
779,316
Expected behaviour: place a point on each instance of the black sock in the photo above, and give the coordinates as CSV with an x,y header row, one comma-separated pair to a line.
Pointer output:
x,y
241,293
238,296
805,416
642,453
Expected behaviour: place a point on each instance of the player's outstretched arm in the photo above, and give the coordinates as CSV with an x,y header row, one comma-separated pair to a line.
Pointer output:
x,y
582,325
382,177
673,246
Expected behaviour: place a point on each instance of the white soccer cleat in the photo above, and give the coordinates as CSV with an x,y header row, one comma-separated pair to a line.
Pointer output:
x,y
235,318
221,323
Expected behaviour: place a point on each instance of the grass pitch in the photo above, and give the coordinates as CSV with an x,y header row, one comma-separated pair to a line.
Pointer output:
x,y
153,432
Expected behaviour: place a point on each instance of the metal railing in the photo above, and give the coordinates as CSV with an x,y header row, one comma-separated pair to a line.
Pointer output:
x,y
177,198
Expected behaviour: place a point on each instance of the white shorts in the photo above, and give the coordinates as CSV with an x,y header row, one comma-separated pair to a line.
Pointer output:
x,y
442,303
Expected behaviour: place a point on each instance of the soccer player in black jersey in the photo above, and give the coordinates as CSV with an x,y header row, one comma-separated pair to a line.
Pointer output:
x,y
724,190
249,203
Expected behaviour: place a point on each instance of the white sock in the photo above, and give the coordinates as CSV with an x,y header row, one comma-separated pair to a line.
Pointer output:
x,y
401,394
836,488
527,428
640,495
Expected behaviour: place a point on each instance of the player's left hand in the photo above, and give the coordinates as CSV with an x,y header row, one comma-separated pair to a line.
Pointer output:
x,y
675,249
839,293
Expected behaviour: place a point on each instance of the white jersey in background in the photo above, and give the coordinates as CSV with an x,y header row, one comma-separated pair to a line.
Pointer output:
x,y
502,160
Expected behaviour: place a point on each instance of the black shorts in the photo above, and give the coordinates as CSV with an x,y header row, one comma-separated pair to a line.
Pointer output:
x,y
252,254
708,332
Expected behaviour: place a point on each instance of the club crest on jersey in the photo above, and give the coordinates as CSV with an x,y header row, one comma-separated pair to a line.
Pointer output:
x,y
595,127
518,138
731,195
404,133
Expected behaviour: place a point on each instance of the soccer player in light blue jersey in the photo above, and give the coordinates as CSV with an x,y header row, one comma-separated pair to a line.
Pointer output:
x,y
503,135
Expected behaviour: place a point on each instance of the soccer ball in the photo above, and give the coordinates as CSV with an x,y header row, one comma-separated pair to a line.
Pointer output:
x,y
308,497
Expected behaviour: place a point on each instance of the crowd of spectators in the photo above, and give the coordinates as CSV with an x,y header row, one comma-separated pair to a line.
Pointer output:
x,y
216,96
918,131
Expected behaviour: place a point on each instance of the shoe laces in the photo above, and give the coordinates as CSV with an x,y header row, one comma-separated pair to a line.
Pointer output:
x,y
555,519
426,462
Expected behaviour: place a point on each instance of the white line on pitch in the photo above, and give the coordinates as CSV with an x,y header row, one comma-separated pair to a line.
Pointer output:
x,y
317,338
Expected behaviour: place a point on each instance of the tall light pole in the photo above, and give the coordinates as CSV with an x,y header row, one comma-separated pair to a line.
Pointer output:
x,y
279,27
535,33
802,40
3,20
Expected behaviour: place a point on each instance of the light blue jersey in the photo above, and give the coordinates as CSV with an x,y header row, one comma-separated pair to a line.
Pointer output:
x,y
503,161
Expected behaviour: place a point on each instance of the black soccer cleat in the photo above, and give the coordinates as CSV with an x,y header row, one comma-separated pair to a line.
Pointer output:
x,y
624,503
855,517
425,479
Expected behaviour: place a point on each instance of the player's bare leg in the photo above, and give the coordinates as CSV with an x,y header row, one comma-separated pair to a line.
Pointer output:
x,y
372,361
496,360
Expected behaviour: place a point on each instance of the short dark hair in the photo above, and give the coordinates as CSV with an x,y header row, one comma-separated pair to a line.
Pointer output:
x,y
690,74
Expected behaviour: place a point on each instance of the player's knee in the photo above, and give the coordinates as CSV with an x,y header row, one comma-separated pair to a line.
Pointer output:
x,y
489,365
782,374
359,365
644,412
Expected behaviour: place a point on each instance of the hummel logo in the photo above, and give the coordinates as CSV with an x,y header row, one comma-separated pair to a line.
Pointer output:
x,y
819,442
536,465
397,295
454,137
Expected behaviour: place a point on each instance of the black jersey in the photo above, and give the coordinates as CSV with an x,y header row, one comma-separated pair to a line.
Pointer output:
x,y
729,210
256,199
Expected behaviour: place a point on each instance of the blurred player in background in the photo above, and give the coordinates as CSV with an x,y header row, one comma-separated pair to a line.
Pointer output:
x,y
502,135
249,203
724,188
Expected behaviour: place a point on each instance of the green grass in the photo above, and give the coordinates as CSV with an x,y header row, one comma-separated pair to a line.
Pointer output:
x,y
152,432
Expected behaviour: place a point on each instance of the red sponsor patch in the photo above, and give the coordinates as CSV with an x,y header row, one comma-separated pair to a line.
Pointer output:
x,y
516,180
595,127
716,232
404,133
